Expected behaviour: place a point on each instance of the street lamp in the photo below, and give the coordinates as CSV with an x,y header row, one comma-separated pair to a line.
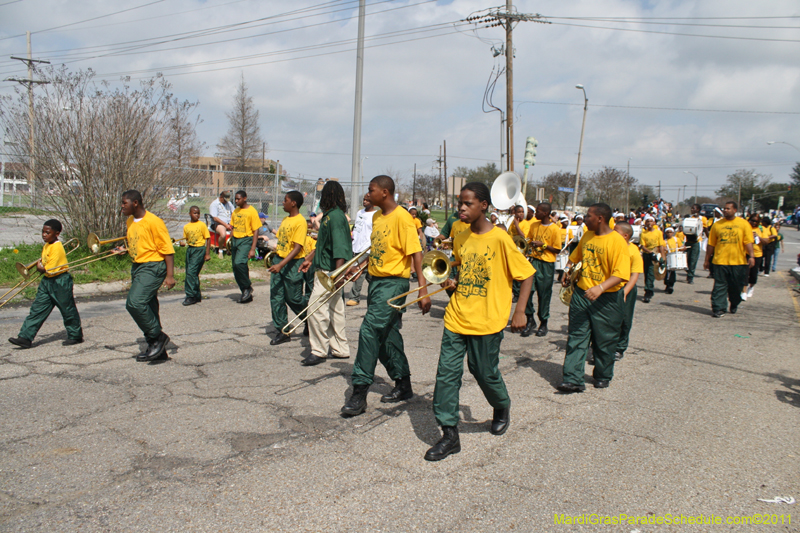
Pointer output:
x,y
783,142
695,184
580,148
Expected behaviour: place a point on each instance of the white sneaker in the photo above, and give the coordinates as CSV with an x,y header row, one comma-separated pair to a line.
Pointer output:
x,y
766,275
750,292
743,296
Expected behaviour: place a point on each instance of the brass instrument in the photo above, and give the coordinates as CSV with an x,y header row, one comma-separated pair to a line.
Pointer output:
x,y
565,294
442,244
179,242
27,271
436,269
659,272
522,244
94,243
329,281
271,259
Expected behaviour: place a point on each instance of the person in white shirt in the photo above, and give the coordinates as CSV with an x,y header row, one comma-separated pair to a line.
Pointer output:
x,y
221,211
362,231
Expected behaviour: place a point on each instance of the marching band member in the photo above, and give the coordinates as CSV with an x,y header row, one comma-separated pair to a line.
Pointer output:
x,y
197,239
55,290
327,325
545,240
362,229
651,242
489,261
760,238
394,247
629,292
730,250
576,221
566,237
768,247
596,309
308,277
693,245
150,247
286,281
519,225
245,224
673,245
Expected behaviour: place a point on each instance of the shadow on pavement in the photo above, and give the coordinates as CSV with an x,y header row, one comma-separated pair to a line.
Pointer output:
x,y
693,308
791,396
548,370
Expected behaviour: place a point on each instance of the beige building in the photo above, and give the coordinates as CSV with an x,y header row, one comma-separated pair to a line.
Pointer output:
x,y
220,174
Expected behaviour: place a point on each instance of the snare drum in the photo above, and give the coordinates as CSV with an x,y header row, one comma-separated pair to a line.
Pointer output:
x,y
677,261
577,232
561,261
637,233
693,226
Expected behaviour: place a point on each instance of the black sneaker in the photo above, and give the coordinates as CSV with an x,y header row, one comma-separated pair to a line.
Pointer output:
x,y
19,341
734,308
571,387
70,342
718,314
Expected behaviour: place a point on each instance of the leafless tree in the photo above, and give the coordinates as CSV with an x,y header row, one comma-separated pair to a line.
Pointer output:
x,y
243,139
92,143
184,144
551,183
609,185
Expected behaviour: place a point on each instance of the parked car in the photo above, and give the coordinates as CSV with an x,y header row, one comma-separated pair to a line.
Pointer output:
x,y
707,210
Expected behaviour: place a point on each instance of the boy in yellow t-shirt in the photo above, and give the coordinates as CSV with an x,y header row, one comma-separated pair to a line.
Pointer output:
x,y
673,244
198,242
596,309
545,243
150,247
651,241
730,242
394,247
629,292
286,281
244,238
55,290
489,262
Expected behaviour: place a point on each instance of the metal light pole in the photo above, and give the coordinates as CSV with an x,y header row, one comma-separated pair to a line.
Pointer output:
x,y
695,184
784,142
580,148
354,181
628,190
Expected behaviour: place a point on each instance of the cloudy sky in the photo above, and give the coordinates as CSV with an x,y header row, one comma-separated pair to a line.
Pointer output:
x,y
676,86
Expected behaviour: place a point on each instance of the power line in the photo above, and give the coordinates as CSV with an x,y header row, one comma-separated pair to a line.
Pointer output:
x,y
666,108
689,24
680,34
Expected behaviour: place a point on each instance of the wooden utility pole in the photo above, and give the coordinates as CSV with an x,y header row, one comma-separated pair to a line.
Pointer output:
x,y
444,161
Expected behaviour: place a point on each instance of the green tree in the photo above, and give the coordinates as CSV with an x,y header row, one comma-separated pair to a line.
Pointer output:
x,y
744,184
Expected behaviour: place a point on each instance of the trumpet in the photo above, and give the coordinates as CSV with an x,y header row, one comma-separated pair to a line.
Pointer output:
x,y
436,269
329,281
26,271
565,294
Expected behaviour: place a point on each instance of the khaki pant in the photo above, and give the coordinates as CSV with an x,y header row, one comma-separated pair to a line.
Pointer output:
x,y
326,327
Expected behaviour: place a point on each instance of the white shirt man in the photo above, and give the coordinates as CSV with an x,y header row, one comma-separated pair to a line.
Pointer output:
x,y
221,211
362,231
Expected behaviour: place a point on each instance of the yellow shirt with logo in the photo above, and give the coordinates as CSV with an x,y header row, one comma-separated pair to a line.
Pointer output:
x,y
196,234
481,304
652,239
148,239
762,233
458,227
525,226
309,246
550,235
602,256
245,222
729,238
293,231
394,240
637,264
54,259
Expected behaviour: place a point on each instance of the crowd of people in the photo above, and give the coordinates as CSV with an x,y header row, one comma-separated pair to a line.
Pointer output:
x,y
497,261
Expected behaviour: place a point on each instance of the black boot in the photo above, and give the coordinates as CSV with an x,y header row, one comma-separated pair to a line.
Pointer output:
x,y
529,327
357,403
647,296
401,391
500,421
449,443
542,331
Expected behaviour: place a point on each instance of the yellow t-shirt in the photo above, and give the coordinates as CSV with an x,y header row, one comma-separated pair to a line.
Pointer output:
x,y
612,223
763,233
309,246
457,227
550,235
729,238
148,239
637,264
652,239
672,244
417,223
293,231
707,222
53,257
481,304
196,234
245,222
602,256
394,240
525,226
681,238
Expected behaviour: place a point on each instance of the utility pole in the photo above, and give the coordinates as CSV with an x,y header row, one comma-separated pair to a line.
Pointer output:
x,y
659,189
440,181
414,187
628,190
30,82
507,19
447,195
355,183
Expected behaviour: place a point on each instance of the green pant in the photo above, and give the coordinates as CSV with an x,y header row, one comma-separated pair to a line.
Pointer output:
x,y
729,280
543,287
649,273
596,322
482,359
692,253
627,320
240,247
308,281
286,288
53,292
142,304
379,337
195,259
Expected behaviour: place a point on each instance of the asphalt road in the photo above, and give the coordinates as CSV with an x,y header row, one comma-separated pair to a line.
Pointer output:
x,y
232,434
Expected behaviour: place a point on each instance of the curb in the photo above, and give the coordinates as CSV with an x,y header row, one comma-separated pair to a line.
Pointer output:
x,y
94,289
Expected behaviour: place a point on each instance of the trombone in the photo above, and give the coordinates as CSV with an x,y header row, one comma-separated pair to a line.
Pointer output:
x,y
329,281
94,243
435,269
179,242
26,271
